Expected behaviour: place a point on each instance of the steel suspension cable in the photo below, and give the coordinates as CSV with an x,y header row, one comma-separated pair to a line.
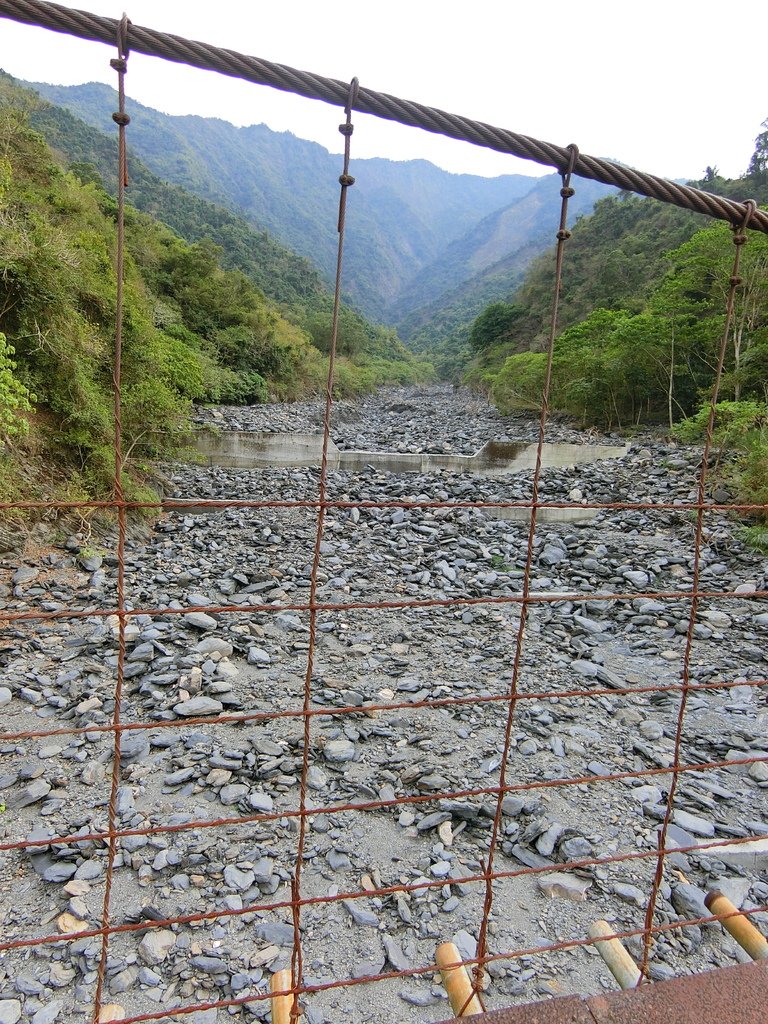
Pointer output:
x,y
150,42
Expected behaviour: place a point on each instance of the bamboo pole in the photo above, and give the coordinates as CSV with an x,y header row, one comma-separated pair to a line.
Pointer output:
x,y
463,999
281,1005
619,962
739,926
111,1012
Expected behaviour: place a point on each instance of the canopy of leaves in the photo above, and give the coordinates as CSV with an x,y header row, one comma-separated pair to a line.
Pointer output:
x,y
617,366
641,312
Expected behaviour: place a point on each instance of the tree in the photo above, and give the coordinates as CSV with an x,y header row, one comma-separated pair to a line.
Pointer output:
x,y
695,292
758,165
494,324
350,337
520,382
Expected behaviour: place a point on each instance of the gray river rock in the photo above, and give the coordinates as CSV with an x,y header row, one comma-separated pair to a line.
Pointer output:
x,y
409,704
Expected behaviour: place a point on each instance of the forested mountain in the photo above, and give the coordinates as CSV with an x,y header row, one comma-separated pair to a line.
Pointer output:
x,y
292,282
614,259
608,262
194,329
632,258
403,215
440,330
525,226
283,276
642,319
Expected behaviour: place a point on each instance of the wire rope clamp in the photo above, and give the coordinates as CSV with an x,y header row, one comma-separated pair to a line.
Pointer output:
x,y
740,230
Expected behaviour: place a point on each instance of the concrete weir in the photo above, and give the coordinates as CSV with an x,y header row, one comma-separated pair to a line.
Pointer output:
x,y
241,449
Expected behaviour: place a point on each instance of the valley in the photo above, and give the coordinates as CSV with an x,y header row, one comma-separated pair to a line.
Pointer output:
x,y
415,231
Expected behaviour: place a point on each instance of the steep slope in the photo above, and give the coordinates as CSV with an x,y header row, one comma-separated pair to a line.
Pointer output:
x,y
289,279
615,259
402,215
304,297
192,330
524,227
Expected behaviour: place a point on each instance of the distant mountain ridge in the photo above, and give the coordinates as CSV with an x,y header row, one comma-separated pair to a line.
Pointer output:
x,y
414,231
518,231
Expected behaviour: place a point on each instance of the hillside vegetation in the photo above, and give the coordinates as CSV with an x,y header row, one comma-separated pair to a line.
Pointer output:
x,y
292,282
414,232
194,330
641,320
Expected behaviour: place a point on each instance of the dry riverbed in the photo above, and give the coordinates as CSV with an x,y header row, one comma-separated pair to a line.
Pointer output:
x,y
60,674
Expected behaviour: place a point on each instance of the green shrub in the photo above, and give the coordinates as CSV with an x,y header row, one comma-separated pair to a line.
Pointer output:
x,y
735,423
15,397
520,382
741,429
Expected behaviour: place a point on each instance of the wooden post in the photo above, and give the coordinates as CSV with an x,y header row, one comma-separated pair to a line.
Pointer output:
x,y
619,962
457,981
739,926
281,1005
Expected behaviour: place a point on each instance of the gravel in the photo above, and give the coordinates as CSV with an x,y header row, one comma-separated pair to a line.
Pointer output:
x,y
391,670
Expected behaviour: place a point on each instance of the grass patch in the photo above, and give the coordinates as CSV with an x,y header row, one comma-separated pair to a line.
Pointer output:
x,y
756,538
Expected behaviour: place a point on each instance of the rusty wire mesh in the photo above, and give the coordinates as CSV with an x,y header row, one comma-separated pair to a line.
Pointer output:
x,y
515,693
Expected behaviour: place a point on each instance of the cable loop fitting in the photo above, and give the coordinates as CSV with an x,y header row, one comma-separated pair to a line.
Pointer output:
x,y
750,206
566,193
563,235
354,87
346,129
346,179
121,119
122,36
573,156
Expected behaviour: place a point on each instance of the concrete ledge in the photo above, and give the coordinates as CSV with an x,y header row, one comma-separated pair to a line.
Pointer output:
x,y
198,507
240,449
544,515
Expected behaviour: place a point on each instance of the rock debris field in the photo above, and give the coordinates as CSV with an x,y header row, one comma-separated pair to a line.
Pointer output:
x,y
60,674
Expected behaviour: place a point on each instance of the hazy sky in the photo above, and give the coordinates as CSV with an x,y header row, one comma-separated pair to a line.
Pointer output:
x,y
668,86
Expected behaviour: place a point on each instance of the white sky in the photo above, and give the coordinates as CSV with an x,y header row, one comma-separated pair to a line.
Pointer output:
x,y
668,86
